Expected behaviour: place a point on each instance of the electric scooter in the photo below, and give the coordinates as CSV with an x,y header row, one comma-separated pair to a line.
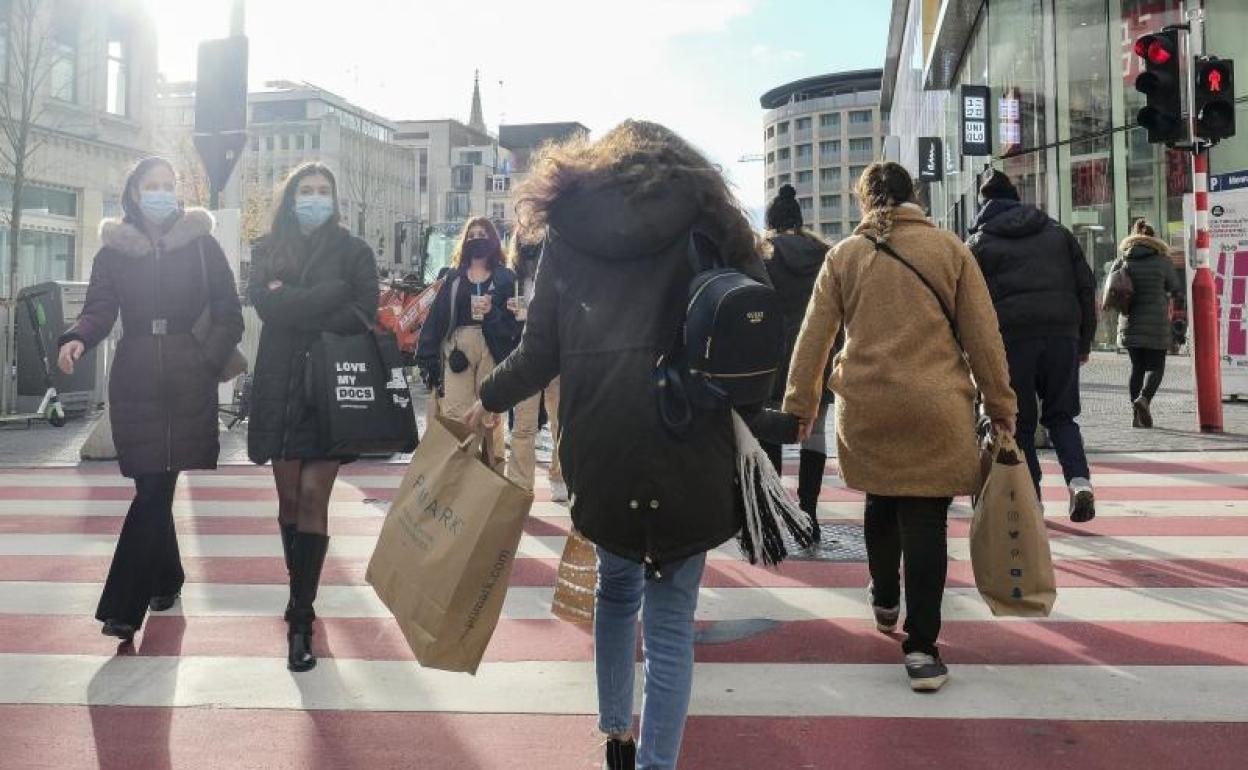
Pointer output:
x,y
50,407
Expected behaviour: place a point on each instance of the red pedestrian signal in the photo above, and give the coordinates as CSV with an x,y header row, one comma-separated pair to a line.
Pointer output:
x,y
1214,93
1162,116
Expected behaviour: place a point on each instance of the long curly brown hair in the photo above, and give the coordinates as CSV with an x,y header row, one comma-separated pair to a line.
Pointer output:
x,y
881,188
491,235
649,157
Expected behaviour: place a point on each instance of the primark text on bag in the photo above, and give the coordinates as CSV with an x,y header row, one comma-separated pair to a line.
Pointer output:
x,y
444,557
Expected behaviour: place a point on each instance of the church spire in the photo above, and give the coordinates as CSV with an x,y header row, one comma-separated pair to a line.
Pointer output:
x,y
476,120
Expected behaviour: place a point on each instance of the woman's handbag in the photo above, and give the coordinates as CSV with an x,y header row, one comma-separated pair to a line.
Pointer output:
x,y
236,364
363,402
1119,290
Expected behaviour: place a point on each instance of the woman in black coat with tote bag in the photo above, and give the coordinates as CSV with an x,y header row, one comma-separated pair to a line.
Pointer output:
x,y
309,275
159,268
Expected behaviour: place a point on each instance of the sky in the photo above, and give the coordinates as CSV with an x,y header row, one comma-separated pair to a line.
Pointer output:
x,y
697,66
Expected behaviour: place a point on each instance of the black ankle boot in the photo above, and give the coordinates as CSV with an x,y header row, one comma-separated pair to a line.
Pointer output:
x,y
288,544
810,484
621,755
307,557
123,631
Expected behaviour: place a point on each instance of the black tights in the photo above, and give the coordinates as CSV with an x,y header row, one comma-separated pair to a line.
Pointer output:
x,y
1147,369
303,490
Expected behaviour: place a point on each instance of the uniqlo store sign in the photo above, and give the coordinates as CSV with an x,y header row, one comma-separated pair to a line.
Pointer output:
x,y
976,121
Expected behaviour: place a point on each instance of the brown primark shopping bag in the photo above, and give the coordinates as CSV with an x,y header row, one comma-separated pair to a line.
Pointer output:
x,y
1009,544
446,549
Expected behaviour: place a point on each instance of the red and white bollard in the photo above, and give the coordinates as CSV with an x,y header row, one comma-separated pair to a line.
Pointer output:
x,y
1205,344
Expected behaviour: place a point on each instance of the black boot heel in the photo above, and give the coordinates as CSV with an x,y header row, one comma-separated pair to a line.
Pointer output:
x,y
299,657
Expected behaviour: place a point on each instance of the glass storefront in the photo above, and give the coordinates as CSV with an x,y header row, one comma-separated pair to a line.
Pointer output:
x,y
1062,74
42,256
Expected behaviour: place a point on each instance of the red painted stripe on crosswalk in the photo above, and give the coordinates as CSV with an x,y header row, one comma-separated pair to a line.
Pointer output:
x,y
558,526
811,641
112,738
1127,573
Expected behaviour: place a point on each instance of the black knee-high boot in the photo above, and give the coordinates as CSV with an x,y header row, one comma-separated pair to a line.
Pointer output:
x,y
288,546
810,484
307,558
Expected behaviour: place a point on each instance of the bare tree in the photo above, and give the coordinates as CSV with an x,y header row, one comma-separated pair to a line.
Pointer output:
x,y
31,56
194,186
363,172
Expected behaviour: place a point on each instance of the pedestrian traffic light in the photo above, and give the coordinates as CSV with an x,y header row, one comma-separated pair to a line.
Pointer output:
x,y
1163,115
1215,98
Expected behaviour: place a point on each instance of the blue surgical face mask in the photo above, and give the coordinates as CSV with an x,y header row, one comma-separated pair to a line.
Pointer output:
x,y
312,211
157,205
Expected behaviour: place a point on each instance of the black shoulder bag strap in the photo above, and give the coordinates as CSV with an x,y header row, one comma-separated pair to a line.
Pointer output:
x,y
944,309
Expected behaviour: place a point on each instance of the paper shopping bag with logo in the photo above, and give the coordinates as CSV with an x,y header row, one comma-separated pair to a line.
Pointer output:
x,y
1009,545
446,549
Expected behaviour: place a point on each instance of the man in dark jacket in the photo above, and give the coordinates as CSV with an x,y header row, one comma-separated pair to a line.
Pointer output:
x,y
1045,296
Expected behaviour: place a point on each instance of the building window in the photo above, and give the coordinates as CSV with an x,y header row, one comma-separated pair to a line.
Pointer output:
x,y
830,177
784,153
771,158
771,132
500,183
831,229
805,177
855,172
458,205
462,177
830,149
300,141
285,141
829,202
255,144
783,128
830,120
860,118
316,141
806,203
860,149
63,73
471,158
268,142
785,179
422,162
283,111
771,183
802,124
498,211
42,256
118,68
804,152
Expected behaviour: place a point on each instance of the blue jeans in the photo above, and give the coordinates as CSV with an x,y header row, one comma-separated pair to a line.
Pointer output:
x,y
667,608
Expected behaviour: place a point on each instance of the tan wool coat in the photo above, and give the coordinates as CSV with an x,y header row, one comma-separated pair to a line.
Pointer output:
x,y
905,422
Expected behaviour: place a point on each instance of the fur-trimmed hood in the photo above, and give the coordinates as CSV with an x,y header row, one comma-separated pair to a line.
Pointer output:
x,y
128,239
1135,246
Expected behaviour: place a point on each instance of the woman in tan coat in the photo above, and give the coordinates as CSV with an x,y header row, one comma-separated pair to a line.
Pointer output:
x,y
905,415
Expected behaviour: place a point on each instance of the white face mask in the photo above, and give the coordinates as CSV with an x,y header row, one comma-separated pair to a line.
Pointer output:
x,y
157,205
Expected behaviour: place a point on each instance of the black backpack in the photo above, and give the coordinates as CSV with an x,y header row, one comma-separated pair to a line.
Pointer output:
x,y
727,348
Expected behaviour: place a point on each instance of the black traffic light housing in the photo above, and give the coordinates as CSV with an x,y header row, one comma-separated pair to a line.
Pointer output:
x,y
1214,85
1162,116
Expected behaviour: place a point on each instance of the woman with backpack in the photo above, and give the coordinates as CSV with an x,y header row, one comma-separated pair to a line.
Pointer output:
x,y
905,403
1145,331
470,327
793,257
159,268
309,275
618,216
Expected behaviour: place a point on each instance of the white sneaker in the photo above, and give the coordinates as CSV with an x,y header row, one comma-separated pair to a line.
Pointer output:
x,y
1082,501
558,492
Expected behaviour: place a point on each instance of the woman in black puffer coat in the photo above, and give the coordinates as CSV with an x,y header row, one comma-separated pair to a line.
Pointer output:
x,y
795,258
309,275
158,267
1145,331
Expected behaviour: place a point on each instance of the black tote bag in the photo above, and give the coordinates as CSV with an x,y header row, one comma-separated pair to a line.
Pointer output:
x,y
364,405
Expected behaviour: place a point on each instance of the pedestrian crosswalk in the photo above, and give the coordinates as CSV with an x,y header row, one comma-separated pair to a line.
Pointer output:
x,y
1143,663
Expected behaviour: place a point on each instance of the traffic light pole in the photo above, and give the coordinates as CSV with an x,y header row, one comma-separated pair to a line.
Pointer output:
x,y
1206,351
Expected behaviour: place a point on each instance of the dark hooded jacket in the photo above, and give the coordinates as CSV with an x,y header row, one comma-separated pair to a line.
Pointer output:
x,y
1154,281
333,284
162,389
1040,282
611,293
795,263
